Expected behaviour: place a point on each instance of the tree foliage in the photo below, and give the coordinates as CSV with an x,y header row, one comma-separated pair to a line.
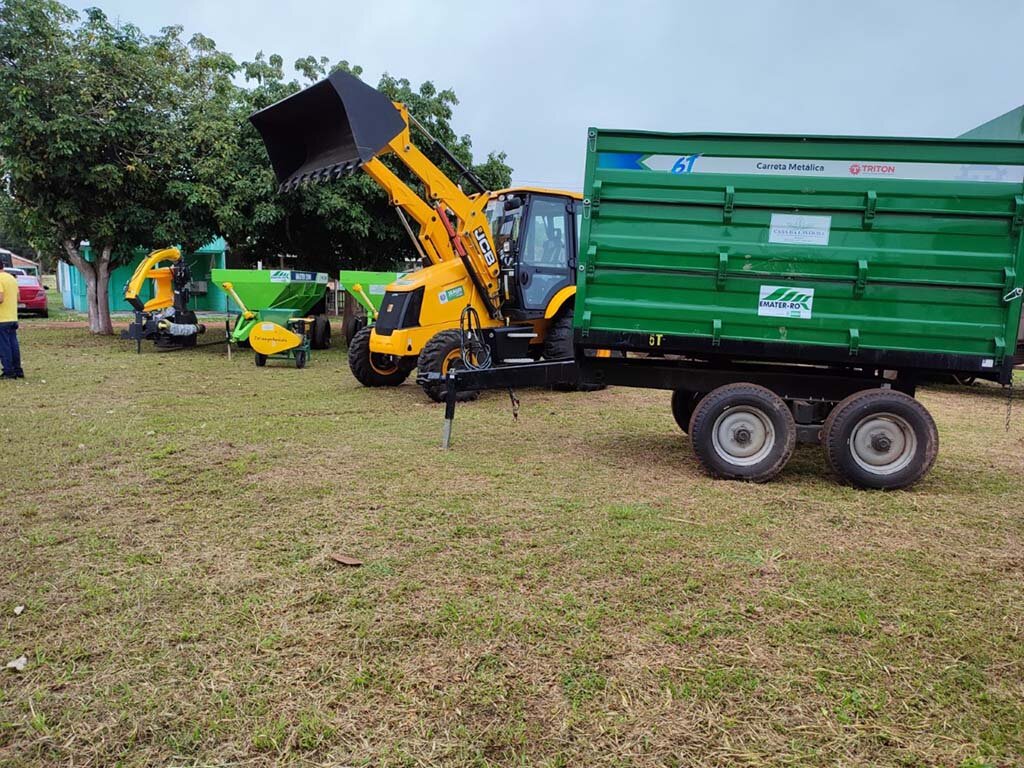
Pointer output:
x,y
122,138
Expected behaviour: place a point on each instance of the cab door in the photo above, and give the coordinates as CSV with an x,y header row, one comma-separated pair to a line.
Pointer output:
x,y
546,252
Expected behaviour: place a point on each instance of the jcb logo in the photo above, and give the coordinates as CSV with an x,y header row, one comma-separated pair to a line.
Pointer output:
x,y
485,245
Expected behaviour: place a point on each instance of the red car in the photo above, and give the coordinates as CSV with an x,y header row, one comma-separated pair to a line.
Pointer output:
x,y
31,296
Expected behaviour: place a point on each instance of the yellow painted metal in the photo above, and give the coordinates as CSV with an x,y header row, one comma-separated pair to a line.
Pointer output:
x,y
271,339
230,289
163,294
358,288
558,301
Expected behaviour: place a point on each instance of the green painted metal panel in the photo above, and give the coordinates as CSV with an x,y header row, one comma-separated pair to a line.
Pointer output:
x,y
863,243
292,291
373,285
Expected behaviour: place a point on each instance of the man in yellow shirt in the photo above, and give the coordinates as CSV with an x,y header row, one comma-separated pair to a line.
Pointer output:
x,y
10,352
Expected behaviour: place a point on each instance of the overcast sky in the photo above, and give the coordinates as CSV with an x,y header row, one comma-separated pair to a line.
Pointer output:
x,y
532,76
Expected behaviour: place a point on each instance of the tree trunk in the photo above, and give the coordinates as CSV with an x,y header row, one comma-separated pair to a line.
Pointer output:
x,y
99,311
106,327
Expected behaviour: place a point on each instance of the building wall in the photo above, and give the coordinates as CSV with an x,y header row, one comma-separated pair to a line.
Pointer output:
x,y
72,285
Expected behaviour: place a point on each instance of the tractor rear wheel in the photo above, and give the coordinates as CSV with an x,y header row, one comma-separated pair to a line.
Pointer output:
x,y
558,346
440,355
321,333
372,369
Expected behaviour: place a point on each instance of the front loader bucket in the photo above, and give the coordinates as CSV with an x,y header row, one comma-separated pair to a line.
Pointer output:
x,y
327,130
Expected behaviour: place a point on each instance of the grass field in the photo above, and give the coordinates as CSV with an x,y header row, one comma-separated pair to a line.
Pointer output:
x,y
568,590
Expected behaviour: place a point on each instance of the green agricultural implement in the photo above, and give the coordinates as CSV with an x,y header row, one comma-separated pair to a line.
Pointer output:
x,y
794,289
367,288
281,312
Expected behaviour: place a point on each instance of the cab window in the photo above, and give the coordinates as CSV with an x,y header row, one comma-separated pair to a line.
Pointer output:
x,y
546,235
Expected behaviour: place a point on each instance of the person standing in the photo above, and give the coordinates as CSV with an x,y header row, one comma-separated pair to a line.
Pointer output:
x,y
10,352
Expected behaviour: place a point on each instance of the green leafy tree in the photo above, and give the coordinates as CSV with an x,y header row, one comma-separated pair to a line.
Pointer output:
x,y
102,139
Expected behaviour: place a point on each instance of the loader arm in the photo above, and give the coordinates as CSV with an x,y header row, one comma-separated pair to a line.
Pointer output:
x,y
339,125
432,236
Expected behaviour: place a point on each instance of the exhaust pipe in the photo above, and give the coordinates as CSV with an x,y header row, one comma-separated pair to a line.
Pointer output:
x,y
327,130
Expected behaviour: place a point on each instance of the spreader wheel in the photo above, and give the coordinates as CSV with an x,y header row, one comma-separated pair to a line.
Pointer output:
x,y
881,439
743,432
683,404
320,338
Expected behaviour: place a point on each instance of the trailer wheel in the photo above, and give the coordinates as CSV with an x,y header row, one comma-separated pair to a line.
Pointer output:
x,y
441,354
743,432
300,358
261,360
881,439
353,326
683,403
321,335
374,370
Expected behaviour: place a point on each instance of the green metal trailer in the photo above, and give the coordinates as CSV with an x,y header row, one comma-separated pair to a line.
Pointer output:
x,y
367,288
795,288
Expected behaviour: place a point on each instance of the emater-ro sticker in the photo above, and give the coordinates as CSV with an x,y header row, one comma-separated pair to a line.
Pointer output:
x,y
833,169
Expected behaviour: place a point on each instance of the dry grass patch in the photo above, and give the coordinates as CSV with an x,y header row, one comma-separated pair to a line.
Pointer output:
x,y
565,590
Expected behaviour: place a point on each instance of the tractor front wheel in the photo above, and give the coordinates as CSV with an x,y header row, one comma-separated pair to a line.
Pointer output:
x,y
372,369
440,355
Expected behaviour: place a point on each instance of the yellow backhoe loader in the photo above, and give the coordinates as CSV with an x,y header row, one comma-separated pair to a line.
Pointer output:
x,y
499,278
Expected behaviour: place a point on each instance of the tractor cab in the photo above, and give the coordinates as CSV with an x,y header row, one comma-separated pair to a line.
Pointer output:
x,y
536,235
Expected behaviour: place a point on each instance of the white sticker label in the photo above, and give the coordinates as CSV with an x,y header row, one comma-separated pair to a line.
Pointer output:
x,y
785,301
280,275
795,229
988,363
377,290
834,169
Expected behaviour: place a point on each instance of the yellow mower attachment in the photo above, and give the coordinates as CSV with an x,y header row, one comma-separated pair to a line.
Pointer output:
x,y
268,339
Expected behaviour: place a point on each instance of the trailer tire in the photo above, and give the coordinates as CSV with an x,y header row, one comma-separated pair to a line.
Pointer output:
x,y
880,439
683,404
438,355
321,333
742,432
372,370
261,360
353,326
301,358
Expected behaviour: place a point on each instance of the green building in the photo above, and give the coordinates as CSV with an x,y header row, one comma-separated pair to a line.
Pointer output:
x,y
205,294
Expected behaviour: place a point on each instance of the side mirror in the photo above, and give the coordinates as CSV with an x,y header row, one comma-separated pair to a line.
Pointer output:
x,y
512,203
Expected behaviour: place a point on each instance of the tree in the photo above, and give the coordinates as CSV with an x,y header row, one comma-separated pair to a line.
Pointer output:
x,y
99,139
124,139
348,222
